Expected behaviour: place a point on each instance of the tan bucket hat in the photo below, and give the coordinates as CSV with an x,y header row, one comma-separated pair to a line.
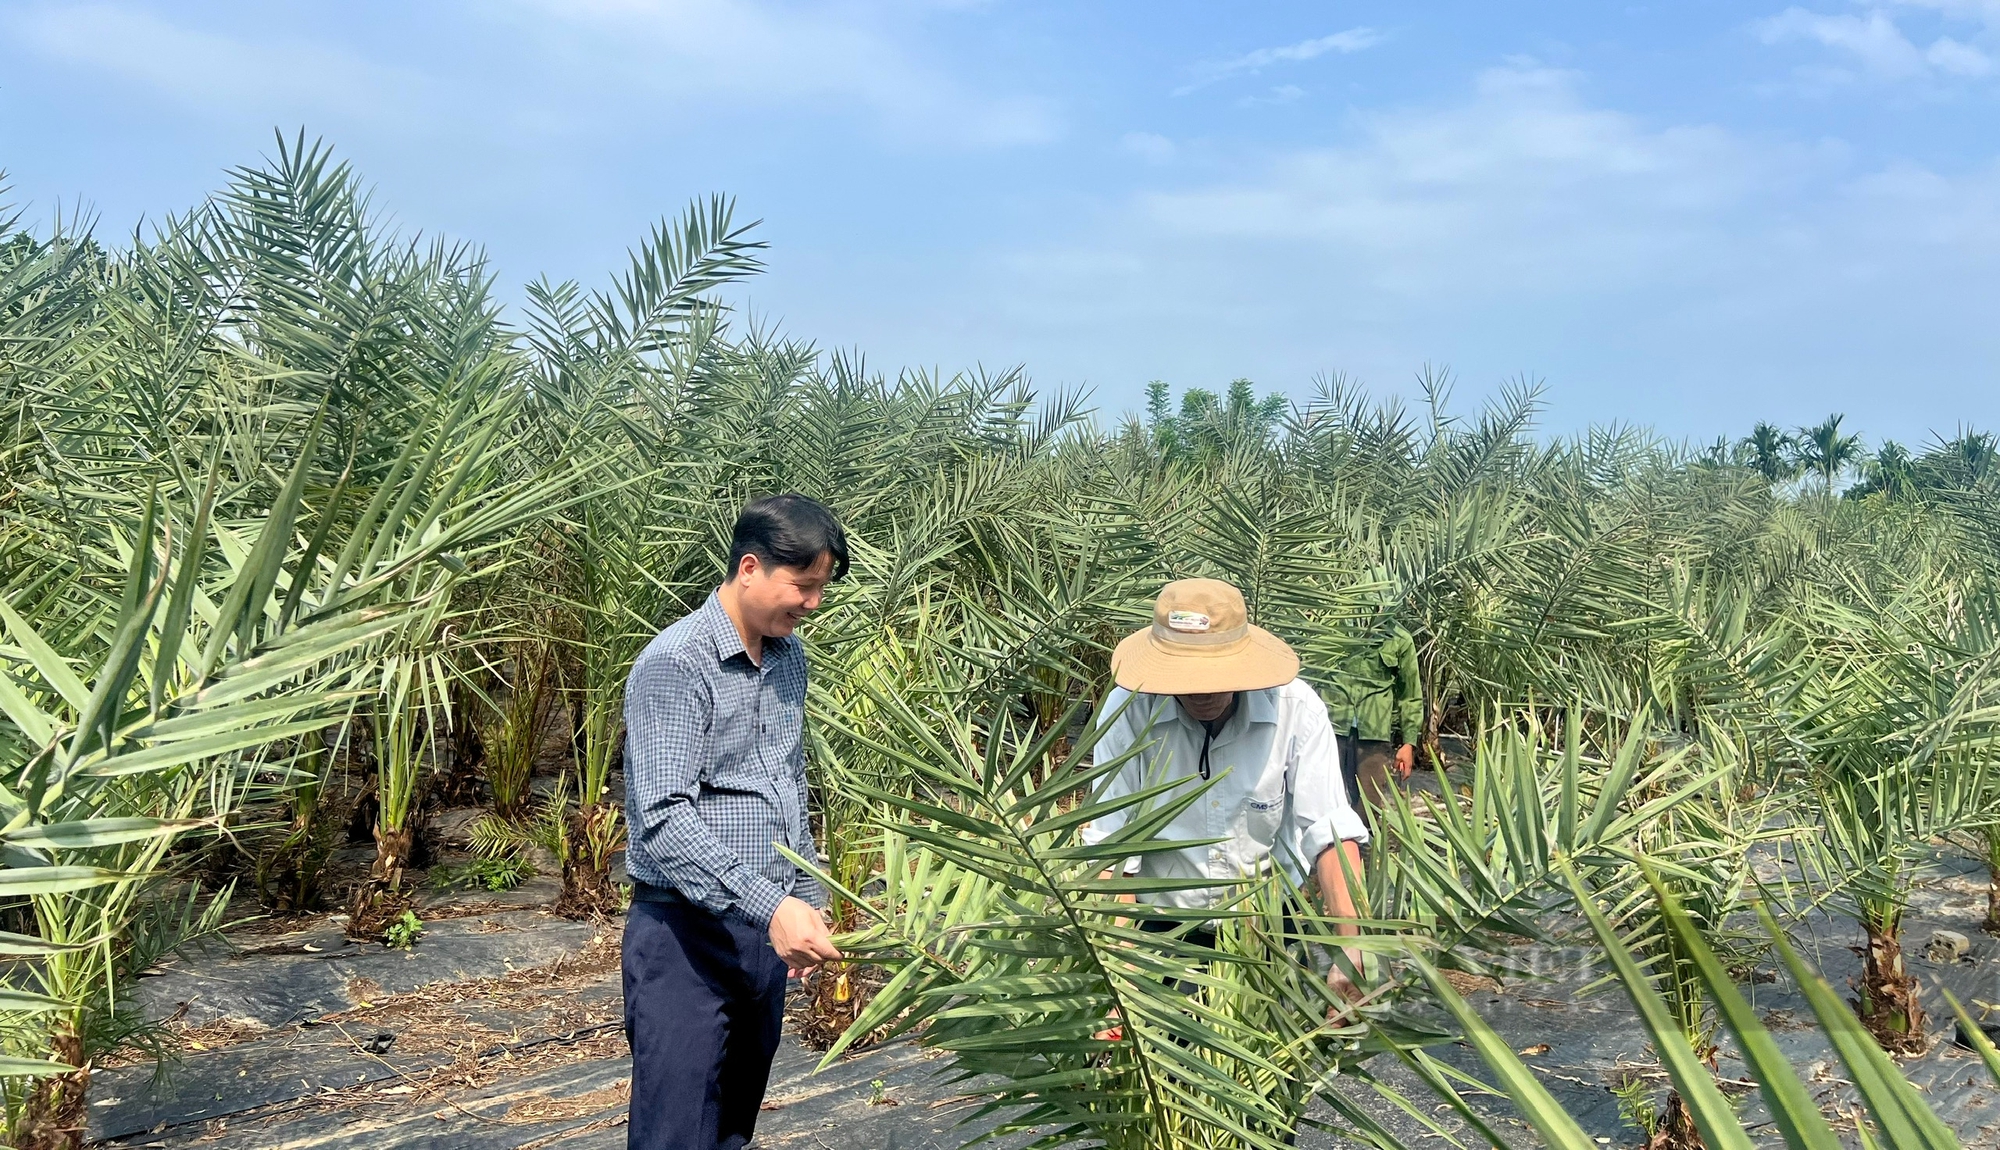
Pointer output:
x,y
1201,641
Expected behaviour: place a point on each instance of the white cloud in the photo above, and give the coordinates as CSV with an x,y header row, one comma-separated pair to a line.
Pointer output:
x,y
1874,40
1251,63
1512,175
1948,55
1149,146
686,56
1986,11
798,56
1526,227
1877,44
1282,94
225,77
1905,204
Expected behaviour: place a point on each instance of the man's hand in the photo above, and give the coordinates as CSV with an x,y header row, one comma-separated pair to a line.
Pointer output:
x,y
1406,760
1337,865
799,935
1342,986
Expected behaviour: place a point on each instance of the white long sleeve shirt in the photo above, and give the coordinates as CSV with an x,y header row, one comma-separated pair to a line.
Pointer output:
x,y
1279,795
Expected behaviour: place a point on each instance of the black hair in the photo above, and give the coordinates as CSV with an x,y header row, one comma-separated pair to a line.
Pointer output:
x,y
787,531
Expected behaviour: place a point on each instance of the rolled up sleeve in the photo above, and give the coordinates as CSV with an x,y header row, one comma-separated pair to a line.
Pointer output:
x,y
1321,814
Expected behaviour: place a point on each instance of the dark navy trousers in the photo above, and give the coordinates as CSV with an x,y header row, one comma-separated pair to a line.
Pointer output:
x,y
704,1005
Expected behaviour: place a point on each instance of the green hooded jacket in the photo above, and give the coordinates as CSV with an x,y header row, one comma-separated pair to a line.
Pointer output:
x,y
1379,691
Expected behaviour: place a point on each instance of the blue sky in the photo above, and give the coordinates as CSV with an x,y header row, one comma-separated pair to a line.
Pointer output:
x,y
1690,215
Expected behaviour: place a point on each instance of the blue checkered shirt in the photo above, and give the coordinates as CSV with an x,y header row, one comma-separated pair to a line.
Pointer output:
x,y
715,768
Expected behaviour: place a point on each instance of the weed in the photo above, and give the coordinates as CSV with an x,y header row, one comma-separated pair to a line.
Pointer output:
x,y
1636,1105
495,874
404,932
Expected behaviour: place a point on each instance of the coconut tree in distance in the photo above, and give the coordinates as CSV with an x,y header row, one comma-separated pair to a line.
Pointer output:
x,y
1890,471
1770,453
1825,453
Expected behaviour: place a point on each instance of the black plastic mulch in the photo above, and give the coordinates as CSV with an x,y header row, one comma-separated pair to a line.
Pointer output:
x,y
306,1082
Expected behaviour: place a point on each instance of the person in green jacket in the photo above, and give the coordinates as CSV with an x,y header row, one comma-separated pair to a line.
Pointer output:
x,y
1376,699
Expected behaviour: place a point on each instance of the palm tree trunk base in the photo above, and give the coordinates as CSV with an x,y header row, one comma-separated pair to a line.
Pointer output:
x,y
291,877
839,992
587,892
1889,1005
1676,1130
55,1116
382,900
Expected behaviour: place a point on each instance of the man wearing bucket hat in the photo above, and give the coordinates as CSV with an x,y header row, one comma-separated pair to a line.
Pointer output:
x,y
1206,695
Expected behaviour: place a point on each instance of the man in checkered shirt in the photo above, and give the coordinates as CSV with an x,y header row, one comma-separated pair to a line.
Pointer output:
x,y
714,782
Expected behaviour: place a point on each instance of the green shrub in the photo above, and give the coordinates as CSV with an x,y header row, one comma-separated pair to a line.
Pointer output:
x,y
504,872
404,932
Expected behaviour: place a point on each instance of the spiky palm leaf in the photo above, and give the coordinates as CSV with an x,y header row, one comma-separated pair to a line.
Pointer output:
x,y
1013,951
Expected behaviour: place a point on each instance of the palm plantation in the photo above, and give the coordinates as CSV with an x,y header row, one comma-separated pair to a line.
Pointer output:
x,y
293,505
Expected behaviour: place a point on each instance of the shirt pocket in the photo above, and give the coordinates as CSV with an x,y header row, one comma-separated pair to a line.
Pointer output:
x,y
735,764
785,719
1264,807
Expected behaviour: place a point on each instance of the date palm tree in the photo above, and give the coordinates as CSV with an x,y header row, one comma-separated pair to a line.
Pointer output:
x,y
274,477
1898,718
208,556
1899,1114
619,371
1012,952
156,714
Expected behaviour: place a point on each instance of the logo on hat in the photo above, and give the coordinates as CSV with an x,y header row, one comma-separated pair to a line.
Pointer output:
x,y
1190,621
